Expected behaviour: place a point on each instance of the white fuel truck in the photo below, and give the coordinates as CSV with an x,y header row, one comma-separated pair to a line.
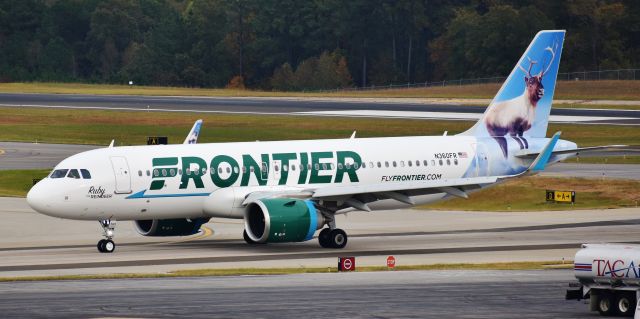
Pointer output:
x,y
609,276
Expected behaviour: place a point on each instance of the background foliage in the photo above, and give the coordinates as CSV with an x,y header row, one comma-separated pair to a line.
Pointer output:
x,y
301,44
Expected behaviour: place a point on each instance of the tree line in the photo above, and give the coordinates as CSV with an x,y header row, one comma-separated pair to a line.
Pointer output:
x,y
301,44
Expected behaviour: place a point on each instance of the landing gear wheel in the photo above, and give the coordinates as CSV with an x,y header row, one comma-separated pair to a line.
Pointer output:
x,y
605,304
101,245
323,238
337,238
625,304
109,246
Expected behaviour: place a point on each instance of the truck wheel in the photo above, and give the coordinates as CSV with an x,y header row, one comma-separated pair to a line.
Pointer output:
x,y
605,304
625,304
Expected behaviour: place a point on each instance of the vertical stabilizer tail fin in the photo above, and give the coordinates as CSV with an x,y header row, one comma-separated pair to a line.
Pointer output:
x,y
192,138
521,107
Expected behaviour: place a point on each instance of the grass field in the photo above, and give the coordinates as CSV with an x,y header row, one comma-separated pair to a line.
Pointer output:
x,y
573,90
536,265
16,183
131,128
528,194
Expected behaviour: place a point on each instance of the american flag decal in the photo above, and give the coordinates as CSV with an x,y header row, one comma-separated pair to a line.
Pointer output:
x,y
582,267
462,154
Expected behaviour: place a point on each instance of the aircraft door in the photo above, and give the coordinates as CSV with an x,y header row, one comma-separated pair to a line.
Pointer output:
x,y
122,175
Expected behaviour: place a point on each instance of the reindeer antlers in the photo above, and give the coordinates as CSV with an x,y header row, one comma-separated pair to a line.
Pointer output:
x,y
553,55
531,63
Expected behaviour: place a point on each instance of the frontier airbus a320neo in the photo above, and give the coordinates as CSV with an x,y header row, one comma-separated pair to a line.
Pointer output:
x,y
287,190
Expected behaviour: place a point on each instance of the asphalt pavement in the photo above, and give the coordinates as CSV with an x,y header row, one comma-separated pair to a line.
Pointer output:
x,y
390,294
365,107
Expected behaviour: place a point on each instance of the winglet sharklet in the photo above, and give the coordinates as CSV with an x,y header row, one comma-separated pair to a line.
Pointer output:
x,y
541,161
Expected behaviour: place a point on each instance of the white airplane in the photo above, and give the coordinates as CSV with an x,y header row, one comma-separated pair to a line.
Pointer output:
x,y
287,190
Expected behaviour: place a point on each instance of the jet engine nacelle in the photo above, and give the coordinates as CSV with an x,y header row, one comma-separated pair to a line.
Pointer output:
x,y
169,227
274,220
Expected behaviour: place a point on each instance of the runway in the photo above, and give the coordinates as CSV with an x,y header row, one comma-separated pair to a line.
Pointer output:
x,y
407,294
400,108
32,244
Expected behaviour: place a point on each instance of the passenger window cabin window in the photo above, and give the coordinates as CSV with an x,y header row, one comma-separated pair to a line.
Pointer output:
x,y
187,171
386,164
355,165
284,168
394,164
85,174
418,163
371,164
148,173
251,169
433,162
139,173
379,164
410,163
426,163
156,173
204,171
228,170
293,167
317,166
164,172
455,161
59,173
73,174
448,162
440,162
244,169
401,163
180,171
276,168
364,164
219,170
340,165
172,172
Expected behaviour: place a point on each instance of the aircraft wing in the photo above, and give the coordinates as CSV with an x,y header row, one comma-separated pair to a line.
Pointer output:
x,y
192,138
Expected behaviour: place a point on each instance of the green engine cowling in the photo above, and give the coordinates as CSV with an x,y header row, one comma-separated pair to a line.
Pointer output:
x,y
278,220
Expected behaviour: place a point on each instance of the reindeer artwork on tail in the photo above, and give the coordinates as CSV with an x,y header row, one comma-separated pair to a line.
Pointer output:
x,y
516,116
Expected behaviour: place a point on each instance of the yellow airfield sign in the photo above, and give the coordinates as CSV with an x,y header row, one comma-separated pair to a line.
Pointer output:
x,y
561,196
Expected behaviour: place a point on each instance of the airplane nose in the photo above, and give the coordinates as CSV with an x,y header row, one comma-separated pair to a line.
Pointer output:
x,y
36,198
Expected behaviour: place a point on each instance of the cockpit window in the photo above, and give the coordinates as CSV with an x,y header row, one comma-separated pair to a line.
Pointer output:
x,y
59,173
85,174
73,174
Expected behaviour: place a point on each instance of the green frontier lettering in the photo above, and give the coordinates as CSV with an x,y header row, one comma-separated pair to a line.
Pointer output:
x,y
304,168
316,178
158,182
284,159
195,173
321,166
260,172
233,177
349,169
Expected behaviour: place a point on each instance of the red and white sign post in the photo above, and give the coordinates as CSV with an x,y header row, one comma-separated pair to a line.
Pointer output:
x,y
391,262
346,263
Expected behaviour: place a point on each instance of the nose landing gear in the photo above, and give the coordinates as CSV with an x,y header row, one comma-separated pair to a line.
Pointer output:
x,y
107,245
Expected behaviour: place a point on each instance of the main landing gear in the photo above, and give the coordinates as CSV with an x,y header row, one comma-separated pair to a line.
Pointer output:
x,y
107,245
332,238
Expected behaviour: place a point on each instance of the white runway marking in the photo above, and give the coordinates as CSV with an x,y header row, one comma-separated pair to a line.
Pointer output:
x,y
450,115
349,113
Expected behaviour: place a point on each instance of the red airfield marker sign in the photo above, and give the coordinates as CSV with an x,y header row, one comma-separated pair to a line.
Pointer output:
x,y
391,262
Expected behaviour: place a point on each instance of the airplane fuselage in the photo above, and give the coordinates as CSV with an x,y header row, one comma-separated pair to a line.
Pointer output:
x,y
209,180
